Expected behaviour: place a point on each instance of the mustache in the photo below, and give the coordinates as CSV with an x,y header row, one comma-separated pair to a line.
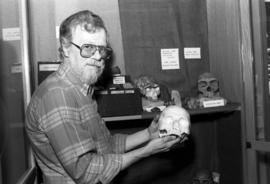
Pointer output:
x,y
95,63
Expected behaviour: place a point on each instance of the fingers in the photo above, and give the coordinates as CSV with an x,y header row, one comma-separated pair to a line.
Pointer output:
x,y
169,141
163,144
184,137
156,118
170,138
165,150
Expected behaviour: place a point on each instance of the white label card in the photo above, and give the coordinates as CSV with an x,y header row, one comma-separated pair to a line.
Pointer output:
x,y
192,53
119,80
11,34
16,68
170,59
213,103
48,67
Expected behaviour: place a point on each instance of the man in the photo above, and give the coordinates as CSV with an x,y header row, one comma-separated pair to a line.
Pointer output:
x,y
69,139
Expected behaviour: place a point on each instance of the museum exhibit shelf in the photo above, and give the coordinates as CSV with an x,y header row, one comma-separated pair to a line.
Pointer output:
x,y
215,131
149,115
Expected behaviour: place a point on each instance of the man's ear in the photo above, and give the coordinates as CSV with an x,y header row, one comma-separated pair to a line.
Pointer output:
x,y
65,50
65,46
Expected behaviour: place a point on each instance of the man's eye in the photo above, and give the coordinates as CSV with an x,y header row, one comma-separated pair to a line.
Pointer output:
x,y
103,49
88,46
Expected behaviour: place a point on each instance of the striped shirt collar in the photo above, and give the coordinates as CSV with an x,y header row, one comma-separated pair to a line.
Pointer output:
x,y
66,71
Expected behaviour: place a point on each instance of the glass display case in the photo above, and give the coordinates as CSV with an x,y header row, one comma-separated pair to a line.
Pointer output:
x,y
257,94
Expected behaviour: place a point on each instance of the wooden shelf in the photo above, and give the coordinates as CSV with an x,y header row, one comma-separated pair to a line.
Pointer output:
x,y
230,107
227,108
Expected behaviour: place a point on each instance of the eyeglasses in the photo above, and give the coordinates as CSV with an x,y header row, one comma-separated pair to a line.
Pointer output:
x,y
88,50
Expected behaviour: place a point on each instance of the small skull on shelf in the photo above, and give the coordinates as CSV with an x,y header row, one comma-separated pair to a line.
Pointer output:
x,y
203,176
208,86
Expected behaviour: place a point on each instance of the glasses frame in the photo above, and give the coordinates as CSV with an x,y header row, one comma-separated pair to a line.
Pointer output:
x,y
97,48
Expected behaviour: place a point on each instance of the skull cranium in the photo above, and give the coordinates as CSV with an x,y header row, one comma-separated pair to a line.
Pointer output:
x,y
203,177
174,120
208,86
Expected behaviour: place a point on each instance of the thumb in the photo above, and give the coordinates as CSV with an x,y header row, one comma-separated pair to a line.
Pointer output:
x,y
156,118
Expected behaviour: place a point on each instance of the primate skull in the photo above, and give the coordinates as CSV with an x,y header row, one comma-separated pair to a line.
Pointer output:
x,y
203,177
208,85
148,87
174,120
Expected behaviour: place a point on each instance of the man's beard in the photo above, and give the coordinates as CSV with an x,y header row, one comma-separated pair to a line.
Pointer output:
x,y
93,78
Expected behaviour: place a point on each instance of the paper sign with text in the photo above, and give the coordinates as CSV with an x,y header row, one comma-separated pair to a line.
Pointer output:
x,y
192,53
11,34
170,59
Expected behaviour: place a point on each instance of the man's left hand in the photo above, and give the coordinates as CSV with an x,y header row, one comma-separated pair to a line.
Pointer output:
x,y
153,128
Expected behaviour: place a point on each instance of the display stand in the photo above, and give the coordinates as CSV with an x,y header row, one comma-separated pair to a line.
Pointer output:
x,y
215,132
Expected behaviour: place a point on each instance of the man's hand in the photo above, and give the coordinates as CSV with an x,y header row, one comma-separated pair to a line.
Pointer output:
x,y
156,145
153,128
162,144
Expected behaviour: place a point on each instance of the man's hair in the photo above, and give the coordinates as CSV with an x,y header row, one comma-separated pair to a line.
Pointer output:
x,y
87,19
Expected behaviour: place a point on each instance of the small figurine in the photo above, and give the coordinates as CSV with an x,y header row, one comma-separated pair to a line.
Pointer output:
x,y
148,87
150,91
156,95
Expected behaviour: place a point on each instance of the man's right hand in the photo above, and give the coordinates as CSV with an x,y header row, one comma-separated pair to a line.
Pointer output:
x,y
158,145
162,144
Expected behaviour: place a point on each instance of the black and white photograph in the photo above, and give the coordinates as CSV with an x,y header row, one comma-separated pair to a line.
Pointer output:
x,y
134,91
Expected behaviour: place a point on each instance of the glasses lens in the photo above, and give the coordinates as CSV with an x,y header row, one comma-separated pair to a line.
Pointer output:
x,y
88,50
103,51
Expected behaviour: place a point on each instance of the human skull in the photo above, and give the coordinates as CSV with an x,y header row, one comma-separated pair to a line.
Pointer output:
x,y
174,120
208,86
203,177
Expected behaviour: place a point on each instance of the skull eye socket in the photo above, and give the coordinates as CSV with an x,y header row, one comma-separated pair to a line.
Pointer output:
x,y
201,181
202,84
214,84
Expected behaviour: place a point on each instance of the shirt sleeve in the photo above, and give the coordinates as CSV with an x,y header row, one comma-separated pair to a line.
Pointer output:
x,y
73,145
119,141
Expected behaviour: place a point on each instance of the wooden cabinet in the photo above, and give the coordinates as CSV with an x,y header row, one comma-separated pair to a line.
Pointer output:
x,y
214,26
214,144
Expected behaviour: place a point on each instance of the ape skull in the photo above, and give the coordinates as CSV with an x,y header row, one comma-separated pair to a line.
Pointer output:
x,y
148,87
208,86
174,120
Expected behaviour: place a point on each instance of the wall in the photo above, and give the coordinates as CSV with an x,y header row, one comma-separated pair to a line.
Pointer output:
x,y
224,46
226,63
152,25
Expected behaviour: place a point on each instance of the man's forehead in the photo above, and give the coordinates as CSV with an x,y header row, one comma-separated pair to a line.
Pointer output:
x,y
80,34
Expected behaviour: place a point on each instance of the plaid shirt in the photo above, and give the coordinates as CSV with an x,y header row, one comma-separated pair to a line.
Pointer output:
x,y
70,140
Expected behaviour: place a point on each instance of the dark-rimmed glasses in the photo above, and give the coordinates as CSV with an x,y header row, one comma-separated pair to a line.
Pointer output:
x,y
88,50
